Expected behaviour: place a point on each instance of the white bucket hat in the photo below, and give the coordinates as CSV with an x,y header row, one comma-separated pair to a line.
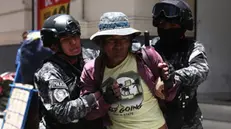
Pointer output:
x,y
114,23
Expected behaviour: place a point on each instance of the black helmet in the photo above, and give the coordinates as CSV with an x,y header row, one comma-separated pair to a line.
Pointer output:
x,y
176,11
57,26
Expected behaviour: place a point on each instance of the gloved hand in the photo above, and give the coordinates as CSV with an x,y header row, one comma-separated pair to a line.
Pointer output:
x,y
166,76
111,91
92,98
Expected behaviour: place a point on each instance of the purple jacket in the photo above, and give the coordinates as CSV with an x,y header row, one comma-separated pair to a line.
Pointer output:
x,y
90,83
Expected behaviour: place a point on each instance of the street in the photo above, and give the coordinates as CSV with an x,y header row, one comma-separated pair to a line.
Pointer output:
x,y
209,124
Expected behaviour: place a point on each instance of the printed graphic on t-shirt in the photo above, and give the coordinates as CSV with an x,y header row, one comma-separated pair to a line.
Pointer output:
x,y
131,94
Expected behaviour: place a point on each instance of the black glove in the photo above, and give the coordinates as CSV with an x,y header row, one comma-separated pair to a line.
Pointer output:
x,y
91,99
168,82
111,91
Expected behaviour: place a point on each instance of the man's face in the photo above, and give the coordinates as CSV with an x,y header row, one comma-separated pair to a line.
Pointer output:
x,y
169,31
116,48
170,34
71,45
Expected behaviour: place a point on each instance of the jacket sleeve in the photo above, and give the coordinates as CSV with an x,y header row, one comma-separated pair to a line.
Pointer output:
x,y
17,60
155,59
198,68
88,84
171,86
55,97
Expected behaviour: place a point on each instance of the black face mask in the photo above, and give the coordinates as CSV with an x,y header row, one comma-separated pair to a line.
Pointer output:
x,y
170,37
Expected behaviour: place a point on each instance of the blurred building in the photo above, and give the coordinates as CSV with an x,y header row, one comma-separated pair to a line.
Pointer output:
x,y
16,16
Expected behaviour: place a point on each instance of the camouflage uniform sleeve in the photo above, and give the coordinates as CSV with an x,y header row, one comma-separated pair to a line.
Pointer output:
x,y
56,98
198,68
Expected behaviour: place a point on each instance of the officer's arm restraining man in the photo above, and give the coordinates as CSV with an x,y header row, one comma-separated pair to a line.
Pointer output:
x,y
58,79
186,58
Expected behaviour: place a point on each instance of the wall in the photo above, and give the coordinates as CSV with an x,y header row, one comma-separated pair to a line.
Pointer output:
x,y
15,17
213,30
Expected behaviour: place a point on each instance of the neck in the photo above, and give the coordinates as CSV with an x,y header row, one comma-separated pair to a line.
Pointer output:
x,y
111,63
70,60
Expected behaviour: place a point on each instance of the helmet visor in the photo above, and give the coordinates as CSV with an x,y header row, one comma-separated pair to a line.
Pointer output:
x,y
166,10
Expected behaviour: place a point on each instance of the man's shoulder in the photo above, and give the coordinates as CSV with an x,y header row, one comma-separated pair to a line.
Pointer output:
x,y
196,45
89,54
89,65
94,65
47,68
154,41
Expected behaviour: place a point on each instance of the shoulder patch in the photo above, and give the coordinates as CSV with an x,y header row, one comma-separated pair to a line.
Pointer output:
x,y
60,94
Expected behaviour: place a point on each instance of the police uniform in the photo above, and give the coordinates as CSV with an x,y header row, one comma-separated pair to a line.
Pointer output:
x,y
186,59
57,81
190,67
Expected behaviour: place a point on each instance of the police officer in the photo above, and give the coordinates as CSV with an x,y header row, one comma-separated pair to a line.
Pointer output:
x,y
58,79
186,59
